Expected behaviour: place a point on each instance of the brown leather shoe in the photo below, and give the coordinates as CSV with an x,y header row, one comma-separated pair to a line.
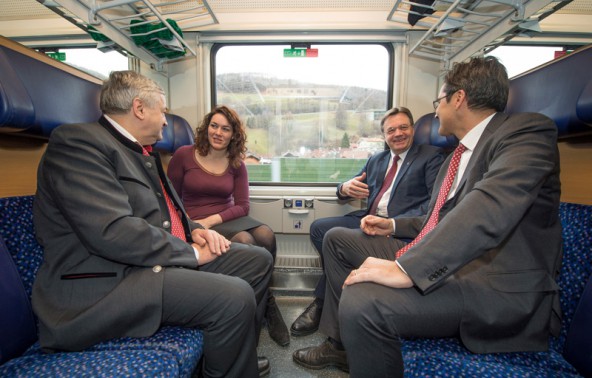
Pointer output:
x,y
308,322
321,356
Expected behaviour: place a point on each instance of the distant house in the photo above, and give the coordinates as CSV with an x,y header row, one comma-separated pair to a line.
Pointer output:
x,y
251,158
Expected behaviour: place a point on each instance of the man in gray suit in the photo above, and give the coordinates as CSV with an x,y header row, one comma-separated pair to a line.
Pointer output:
x,y
484,271
121,256
408,194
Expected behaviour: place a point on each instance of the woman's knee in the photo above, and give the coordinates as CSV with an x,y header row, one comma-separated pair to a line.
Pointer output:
x,y
243,237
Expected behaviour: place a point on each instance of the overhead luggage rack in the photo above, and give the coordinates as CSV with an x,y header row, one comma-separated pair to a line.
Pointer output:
x,y
151,30
458,29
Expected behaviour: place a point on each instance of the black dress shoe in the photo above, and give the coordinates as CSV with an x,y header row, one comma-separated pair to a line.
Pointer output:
x,y
321,356
275,323
308,322
263,365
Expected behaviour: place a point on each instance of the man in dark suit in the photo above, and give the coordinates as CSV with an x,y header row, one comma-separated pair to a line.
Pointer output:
x,y
481,268
121,256
407,194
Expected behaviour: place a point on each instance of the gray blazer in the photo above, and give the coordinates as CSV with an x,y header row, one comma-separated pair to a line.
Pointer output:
x,y
499,237
103,222
414,182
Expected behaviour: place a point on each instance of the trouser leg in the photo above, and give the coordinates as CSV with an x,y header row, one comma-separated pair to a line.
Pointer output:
x,y
318,229
374,317
223,306
345,250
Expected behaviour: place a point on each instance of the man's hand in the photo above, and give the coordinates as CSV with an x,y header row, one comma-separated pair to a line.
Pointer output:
x,y
355,187
383,272
216,243
205,254
373,225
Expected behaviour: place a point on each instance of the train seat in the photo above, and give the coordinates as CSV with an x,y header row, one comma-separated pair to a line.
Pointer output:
x,y
553,88
177,133
569,355
171,352
426,132
37,94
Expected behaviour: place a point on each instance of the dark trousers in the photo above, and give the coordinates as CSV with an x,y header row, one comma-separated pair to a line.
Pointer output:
x,y
369,318
222,298
318,229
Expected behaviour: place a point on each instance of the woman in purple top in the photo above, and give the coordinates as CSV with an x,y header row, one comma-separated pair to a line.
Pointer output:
x,y
211,178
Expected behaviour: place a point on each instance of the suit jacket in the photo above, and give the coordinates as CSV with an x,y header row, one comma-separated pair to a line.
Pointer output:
x,y
499,237
103,222
413,185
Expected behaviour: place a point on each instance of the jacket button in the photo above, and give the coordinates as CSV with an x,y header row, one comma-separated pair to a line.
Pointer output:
x,y
432,277
157,268
166,224
148,164
159,195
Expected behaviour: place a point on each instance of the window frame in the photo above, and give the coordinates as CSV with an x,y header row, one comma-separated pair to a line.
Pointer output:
x,y
216,46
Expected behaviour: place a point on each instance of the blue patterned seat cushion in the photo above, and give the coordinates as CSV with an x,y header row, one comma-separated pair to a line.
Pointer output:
x,y
449,358
180,347
107,364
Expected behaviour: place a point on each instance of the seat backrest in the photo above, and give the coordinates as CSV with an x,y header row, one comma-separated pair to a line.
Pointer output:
x,y
576,221
568,101
16,228
37,93
177,133
578,345
20,258
426,132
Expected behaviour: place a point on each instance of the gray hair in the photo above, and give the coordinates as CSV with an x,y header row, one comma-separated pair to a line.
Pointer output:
x,y
122,87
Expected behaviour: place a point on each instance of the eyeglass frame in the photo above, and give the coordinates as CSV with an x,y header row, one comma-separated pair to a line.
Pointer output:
x,y
436,102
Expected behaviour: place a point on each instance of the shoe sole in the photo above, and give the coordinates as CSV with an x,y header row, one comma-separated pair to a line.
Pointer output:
x,y
282,344
319,367
265,372
302,333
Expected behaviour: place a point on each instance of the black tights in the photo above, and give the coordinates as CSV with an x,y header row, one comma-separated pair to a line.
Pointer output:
x,y
262,236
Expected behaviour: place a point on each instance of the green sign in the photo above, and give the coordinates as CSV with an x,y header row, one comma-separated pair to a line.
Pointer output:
x,y
61,56
301,53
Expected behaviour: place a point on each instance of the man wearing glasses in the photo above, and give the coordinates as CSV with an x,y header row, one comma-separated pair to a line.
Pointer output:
x,y
395,182
483,261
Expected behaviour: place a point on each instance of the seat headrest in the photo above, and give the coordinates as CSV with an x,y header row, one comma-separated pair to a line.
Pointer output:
x,y
177,133
426,132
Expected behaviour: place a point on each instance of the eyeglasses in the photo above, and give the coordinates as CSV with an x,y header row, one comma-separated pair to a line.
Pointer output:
x,y
436,102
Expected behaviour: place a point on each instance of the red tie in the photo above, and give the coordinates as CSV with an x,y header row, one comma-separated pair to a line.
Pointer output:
x,y
388,180
442,195
176,225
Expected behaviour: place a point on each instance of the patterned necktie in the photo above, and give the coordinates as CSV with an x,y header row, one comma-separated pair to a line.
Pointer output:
x,y
385,185
176,225
442,195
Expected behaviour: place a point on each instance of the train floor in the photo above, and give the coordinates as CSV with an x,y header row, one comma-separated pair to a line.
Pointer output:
x,y
279,357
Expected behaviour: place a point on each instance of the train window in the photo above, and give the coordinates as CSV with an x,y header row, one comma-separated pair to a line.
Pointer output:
x,y
519,59
312,113
91,60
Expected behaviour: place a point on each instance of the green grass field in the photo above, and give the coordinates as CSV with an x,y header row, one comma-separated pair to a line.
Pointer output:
x,y
306,170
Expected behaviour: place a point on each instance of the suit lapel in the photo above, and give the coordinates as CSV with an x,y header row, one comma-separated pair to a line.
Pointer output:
x,y
382,166
404,166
